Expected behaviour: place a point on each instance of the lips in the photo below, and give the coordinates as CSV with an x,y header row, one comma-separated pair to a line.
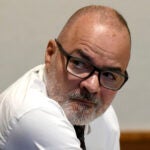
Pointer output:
x,y
84,101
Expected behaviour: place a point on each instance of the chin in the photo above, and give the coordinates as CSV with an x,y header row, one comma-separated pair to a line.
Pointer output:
x,y
80,121
79,114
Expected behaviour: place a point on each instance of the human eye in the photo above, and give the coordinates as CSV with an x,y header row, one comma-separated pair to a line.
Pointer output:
x,y
111,76
79,64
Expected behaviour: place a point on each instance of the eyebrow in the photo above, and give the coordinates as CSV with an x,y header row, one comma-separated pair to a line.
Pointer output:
x,y
84,55
87,58
115,69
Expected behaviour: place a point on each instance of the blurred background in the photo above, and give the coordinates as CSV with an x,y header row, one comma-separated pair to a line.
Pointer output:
x,y
26,26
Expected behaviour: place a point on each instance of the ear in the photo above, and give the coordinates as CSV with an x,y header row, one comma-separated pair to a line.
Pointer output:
x,y
50,51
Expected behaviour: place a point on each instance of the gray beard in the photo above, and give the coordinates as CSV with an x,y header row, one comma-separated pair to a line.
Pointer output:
x,y
79,115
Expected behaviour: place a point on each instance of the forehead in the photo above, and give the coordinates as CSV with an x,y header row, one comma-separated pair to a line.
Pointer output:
x,y
104,45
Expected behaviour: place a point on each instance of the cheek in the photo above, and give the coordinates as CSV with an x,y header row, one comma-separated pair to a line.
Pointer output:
x,y
61,73
72,81
108,96
66,82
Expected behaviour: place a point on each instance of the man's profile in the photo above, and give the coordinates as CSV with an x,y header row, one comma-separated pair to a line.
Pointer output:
x,y
51,105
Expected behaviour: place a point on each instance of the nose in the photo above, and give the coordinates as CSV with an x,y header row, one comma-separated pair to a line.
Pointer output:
x,y
91,84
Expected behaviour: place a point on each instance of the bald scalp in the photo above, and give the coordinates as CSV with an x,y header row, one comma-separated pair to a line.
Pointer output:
x,y
100,14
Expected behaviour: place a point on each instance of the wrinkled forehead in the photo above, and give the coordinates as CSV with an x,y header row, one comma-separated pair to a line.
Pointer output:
x,y
100,39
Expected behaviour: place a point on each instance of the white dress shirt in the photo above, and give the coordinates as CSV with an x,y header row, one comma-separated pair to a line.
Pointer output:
x,y
30,120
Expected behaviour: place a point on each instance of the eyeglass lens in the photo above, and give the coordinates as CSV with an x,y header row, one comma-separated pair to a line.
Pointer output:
x,y
82,69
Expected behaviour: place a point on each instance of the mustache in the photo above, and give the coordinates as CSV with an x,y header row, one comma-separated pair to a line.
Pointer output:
x,y
84,95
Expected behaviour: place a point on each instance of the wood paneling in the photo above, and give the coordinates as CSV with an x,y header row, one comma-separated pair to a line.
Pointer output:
x,y
135,140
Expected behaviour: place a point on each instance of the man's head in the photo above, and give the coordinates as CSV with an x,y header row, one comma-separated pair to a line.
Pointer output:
x,y
87,63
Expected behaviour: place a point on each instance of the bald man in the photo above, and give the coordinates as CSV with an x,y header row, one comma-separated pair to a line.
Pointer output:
x,y
85,66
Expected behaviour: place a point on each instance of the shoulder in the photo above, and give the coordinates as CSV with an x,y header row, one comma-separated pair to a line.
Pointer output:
x,y
35,119
110,118
105,132
108,121
46,129
14,97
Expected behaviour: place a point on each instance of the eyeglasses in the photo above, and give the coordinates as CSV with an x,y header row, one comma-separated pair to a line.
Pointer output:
x,y
110,78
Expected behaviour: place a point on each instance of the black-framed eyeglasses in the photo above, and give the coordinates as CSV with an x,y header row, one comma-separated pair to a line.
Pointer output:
x,y
109,78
